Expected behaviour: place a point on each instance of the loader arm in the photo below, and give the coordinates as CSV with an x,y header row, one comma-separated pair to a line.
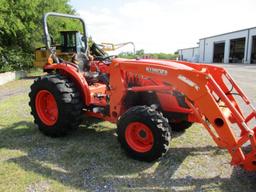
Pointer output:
x,y
206,94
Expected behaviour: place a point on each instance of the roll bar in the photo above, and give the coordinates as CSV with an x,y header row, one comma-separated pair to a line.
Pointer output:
x,y
46,32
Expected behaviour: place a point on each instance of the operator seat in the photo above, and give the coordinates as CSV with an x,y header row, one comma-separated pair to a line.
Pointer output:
x,y
83,63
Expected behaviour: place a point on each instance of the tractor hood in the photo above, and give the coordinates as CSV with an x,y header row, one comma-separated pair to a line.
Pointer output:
x,y
169,63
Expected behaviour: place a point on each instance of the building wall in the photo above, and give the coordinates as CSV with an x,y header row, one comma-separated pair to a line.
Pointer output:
x,y
189,54
207,45
204,53
252,33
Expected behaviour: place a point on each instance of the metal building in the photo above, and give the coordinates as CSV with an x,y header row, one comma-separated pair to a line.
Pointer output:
x,y
189,54
234,47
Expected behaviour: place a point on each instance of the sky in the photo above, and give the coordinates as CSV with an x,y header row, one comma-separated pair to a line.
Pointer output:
x,y
163,25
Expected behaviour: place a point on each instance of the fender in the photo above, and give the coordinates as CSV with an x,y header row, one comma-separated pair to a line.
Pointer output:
x,y
77,77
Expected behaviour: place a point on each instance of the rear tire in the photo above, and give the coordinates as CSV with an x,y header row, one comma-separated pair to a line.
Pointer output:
x,y
144,133
56,105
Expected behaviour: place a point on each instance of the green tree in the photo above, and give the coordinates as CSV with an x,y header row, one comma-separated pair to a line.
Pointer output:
x,y
21,29
142,54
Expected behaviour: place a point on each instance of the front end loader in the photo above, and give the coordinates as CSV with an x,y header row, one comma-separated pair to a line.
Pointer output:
x,y
147,99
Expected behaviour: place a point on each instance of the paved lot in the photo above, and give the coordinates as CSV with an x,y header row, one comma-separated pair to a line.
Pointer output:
x,y
245,76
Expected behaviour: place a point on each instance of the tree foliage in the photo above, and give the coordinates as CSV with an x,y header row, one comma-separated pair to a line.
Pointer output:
x,y
142,54
21,29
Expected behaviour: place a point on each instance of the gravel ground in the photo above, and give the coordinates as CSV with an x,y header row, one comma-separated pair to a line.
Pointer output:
x,y
245,76
15,88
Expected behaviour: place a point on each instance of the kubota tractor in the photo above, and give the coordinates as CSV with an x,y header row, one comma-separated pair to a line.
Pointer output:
x,y
146,99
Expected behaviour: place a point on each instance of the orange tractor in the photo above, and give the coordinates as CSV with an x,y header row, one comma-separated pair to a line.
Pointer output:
x,y
145,98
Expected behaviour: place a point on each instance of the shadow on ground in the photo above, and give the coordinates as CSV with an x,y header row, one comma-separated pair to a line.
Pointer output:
x,y
92,159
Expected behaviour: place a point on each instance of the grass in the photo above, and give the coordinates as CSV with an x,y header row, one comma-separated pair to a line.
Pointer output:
x,y
92,160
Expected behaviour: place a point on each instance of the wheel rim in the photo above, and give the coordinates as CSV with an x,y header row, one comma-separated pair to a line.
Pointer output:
x,y
46,107
139,137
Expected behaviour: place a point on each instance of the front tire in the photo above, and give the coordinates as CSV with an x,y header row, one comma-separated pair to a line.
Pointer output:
x,y
55,105
143,133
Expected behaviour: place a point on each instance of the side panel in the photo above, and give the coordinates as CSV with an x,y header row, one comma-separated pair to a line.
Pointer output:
x,y
169,103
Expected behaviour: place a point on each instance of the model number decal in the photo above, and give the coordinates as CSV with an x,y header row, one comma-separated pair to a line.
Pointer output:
x,y
188,82
156,71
